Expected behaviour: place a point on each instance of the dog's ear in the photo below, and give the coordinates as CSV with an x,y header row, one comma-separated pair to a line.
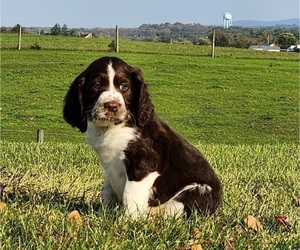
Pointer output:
x,y
144,108
73,110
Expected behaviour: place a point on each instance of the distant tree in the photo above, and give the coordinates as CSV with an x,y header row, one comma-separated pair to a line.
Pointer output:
x,y
194,39
56,30
4,30
64,30
16,29
222,39
240,41
265,37
286,39
204,41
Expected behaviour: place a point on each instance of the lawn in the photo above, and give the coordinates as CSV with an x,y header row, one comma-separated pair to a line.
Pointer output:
x,y
42,183
240,96
240,109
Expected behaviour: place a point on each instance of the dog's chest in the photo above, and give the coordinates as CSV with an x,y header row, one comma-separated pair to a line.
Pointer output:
x,y
110,145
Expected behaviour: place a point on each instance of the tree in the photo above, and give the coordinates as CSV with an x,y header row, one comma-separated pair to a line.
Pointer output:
x,y
16,29
64,30
56,30
265,37
222,39
286,39
4,30
240,41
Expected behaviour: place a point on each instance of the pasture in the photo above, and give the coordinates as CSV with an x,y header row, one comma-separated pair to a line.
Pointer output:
x,y
240,109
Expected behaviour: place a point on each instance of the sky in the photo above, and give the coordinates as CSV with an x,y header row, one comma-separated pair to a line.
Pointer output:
x,y
133,13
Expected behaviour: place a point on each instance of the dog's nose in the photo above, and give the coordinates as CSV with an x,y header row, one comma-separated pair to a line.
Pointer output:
x,y
111,106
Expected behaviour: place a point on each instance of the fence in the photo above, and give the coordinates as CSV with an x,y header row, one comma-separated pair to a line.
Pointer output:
x,y
67,43
40,136
40,39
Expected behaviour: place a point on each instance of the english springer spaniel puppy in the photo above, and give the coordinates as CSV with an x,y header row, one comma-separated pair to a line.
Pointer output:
x,y
148,167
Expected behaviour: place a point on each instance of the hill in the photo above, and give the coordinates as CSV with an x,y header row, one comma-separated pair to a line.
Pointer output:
x,y
253,23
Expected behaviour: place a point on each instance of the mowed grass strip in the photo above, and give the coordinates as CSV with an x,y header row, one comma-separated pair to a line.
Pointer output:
x,y
238,97
42,183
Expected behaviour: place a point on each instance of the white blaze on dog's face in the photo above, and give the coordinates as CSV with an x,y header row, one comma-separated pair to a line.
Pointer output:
x,y
110,108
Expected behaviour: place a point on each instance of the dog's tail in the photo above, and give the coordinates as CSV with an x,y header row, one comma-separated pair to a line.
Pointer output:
x,y
201,196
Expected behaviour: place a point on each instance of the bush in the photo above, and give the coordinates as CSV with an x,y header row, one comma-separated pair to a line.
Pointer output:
x,y
36,46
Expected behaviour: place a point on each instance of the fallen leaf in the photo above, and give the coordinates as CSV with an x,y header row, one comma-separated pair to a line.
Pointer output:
x,y
253,223
74,216
196,232
240,230
196,247
3,207
283,221
230,244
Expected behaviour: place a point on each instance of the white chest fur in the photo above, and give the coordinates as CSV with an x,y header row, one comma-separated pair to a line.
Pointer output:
x,y
109,144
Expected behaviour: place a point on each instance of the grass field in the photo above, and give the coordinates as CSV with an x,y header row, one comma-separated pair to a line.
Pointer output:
x,y
240,109
43,183
238,97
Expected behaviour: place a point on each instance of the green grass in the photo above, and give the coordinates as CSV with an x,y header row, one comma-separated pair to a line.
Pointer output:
x,y
240,109
42,183
240,96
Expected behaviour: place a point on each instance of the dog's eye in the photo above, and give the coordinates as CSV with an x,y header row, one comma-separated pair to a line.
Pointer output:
x,y
124,86
97,85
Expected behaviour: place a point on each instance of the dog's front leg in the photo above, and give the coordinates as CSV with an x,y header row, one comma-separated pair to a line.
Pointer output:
x,y
108,196
136,194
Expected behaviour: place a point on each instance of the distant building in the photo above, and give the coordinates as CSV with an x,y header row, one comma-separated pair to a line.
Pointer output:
x,y
271,48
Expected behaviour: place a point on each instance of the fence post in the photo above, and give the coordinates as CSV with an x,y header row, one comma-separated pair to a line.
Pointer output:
x,y
19,38
213,43
117,39
40,136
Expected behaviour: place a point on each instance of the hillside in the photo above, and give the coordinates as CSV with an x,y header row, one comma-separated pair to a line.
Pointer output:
x,y
281,23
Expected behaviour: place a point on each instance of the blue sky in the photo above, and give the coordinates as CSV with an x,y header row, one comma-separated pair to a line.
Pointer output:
x,y
133,13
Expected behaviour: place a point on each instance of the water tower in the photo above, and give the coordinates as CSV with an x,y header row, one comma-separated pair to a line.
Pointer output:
x,y
227,20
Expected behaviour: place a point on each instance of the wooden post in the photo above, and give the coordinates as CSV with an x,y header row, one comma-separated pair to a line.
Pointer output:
x,y
213,43
117,39
19,38
40,136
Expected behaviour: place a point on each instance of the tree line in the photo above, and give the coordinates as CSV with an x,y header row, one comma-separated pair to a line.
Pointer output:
x,y
240,37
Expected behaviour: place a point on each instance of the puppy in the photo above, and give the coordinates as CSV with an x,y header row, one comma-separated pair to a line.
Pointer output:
x,y
148,167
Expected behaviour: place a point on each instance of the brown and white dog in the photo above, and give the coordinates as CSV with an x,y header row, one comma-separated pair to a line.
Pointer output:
x,y
148,167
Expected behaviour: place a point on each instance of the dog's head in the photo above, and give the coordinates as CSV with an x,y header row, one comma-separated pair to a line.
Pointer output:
x,y
108,92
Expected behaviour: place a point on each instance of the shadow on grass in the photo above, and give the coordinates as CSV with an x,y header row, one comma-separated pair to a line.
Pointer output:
x,y
15,190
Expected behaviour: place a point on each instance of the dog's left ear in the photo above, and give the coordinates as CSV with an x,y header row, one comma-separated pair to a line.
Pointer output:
x,y
73,110
145,109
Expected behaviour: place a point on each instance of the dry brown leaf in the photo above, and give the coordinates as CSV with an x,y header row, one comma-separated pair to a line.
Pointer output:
x,y
240,230
3,207
230,244
74,216
196,247
282,221
196,232
253,223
